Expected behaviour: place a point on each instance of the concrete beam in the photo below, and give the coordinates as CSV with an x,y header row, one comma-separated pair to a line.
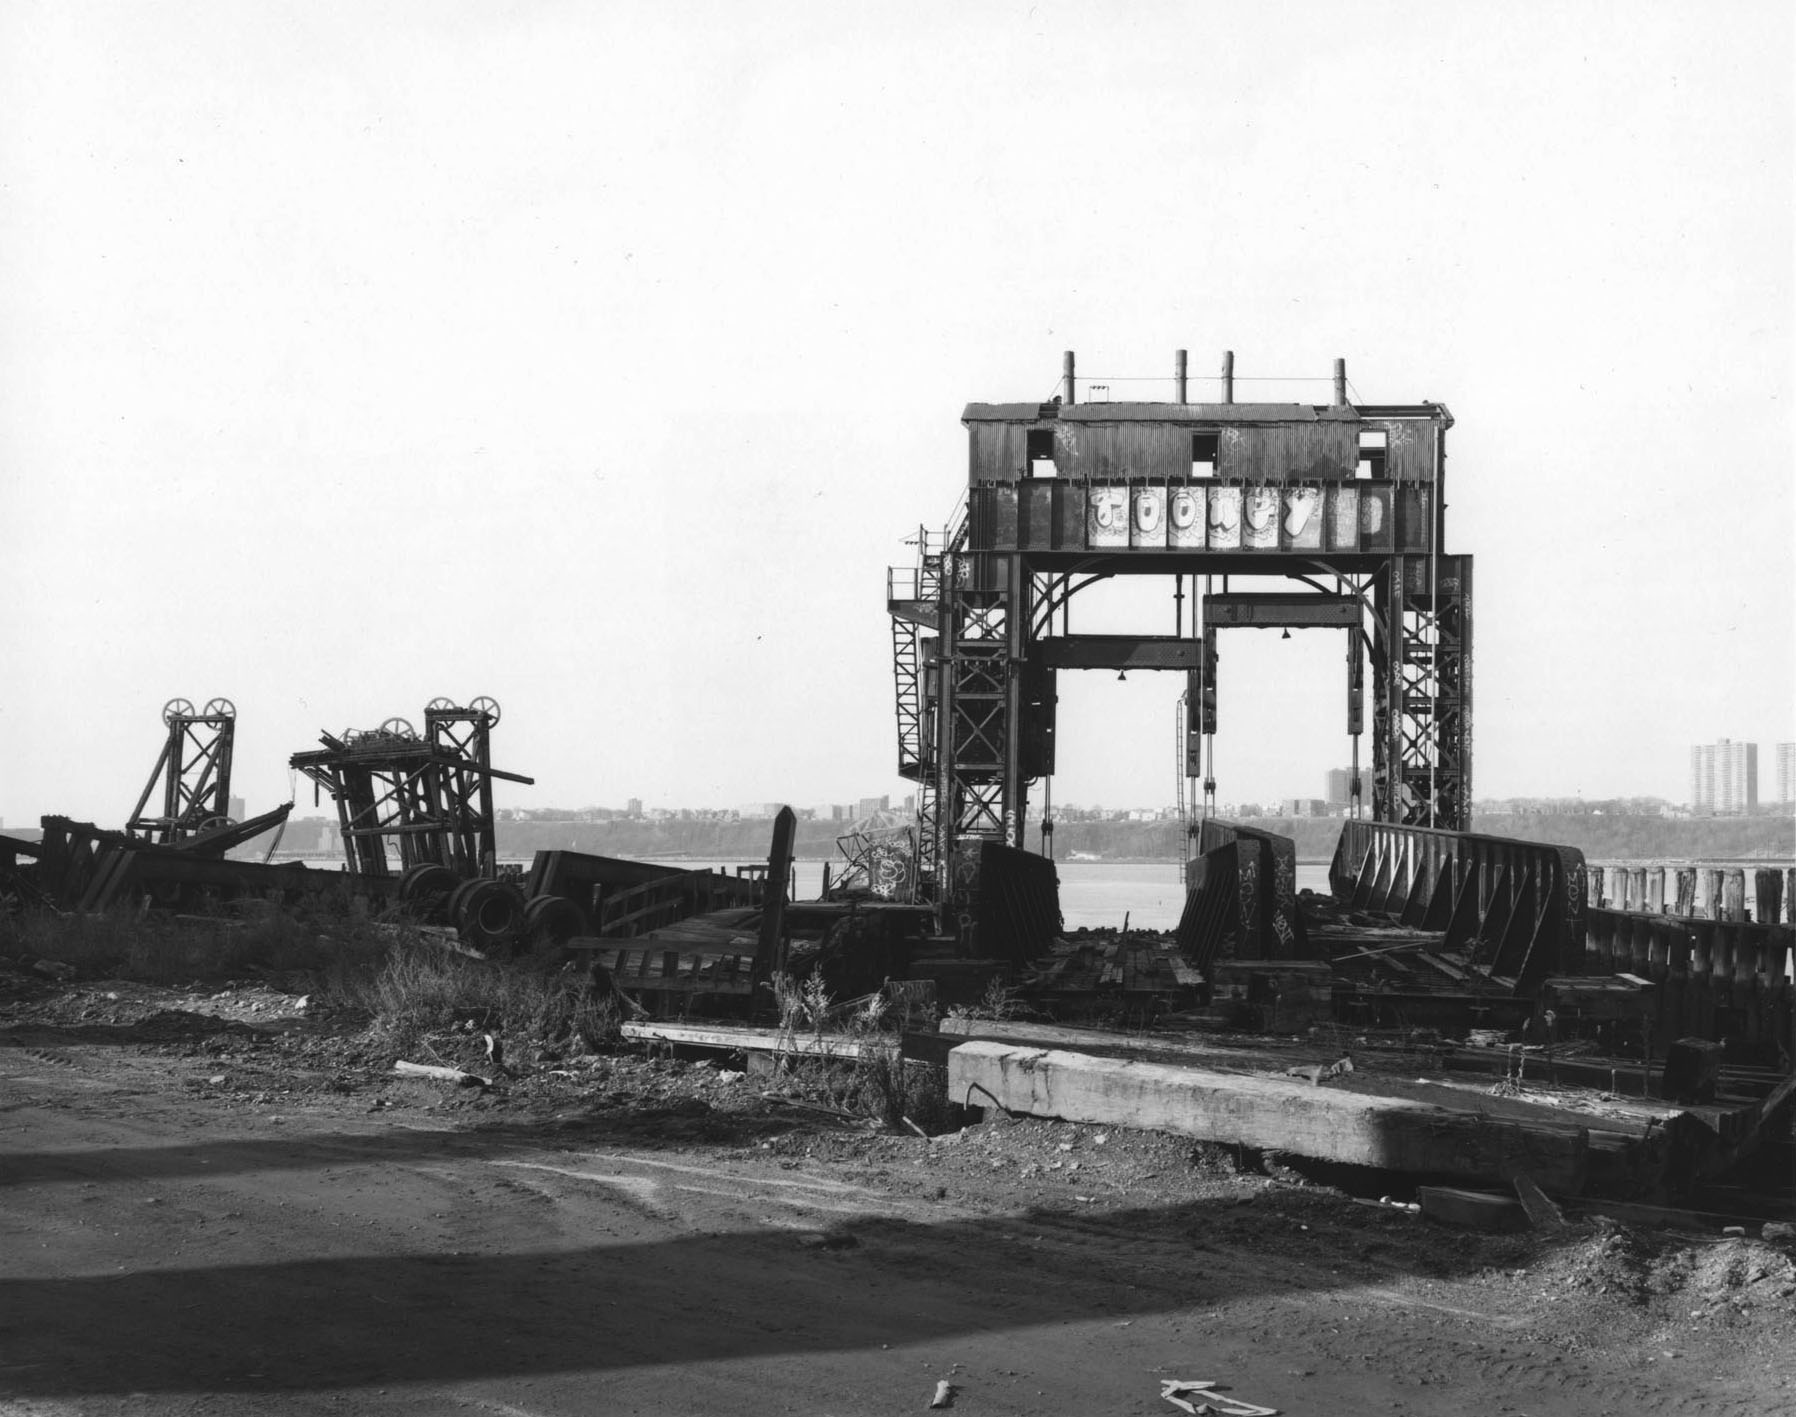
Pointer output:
x,y
1271,1114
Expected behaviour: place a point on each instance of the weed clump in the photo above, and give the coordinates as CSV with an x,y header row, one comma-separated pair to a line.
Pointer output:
x,y
419,990
853,1061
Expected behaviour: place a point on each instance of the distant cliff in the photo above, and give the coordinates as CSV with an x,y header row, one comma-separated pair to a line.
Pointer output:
x,y
1600,838
734,843
1622,838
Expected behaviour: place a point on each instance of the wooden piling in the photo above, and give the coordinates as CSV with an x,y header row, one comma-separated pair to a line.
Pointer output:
x,y
1686,892
1711,892
1733,895
1767,896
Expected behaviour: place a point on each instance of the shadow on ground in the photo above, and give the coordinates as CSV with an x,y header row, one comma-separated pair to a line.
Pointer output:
x,y
570,1305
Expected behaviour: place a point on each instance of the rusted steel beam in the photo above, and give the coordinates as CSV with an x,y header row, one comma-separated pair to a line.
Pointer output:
x,y
1120,652
1273,610
179,881
1516,907
1714,977
770,954
1241,897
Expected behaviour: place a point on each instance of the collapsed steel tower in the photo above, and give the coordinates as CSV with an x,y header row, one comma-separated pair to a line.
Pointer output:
x,y
428,795
1342,502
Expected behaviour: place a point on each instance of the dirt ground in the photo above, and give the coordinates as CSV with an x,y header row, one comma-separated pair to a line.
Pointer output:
x,y
219,1200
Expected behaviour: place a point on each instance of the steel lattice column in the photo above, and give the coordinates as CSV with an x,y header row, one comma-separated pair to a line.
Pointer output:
x,y
1422,692
973,715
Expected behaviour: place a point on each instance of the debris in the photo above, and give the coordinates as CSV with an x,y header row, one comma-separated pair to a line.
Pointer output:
x,y
1475,1210
427,1070
54,969
1319,1073
944,1394
1213,1401
1692,1070
1542,1213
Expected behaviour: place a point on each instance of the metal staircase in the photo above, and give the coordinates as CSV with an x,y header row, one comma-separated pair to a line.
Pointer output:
x,y
914,600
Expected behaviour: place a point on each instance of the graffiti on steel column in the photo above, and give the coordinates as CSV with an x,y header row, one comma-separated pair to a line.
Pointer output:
x,y
1303,519
890,871
1225,518
1284,888
1186,513
966,872
1012,831
1147,516
1247,866
1259,518
1107,516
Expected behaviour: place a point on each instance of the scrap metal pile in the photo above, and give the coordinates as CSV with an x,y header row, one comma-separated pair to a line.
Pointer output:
x,y
170,858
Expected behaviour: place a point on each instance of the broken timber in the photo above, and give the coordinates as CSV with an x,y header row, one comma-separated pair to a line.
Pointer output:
x,y
1273,1114
757,1040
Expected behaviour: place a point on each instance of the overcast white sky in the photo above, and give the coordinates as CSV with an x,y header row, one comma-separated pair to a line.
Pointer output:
x,y
599,357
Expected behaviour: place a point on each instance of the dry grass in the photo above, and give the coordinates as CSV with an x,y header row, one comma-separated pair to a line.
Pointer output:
x,y
409,987
419,990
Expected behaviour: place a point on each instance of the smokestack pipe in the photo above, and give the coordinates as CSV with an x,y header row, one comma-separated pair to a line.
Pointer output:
x,y
1228,376
1340,383
1066,377
1178,372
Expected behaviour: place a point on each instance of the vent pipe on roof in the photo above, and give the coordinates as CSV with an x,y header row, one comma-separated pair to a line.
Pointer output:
x,y
1178,372
1066,377
1340,383
1228,376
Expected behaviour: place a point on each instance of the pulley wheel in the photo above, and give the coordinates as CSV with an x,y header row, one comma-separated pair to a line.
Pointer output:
x,y
219,708
489,913
177,708
489,707
552,920
399,727
426,889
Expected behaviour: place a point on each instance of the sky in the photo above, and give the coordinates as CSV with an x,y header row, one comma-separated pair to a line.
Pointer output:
x,y
600,359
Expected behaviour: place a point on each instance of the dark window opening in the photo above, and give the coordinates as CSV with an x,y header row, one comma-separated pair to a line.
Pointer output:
x,y
1372,448
1041,452
1203,454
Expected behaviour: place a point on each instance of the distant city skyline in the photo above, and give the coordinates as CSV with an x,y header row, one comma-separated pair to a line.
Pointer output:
x,y
1724,777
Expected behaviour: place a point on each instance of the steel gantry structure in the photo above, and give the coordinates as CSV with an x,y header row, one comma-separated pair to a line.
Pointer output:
x,y
1341,501
192,774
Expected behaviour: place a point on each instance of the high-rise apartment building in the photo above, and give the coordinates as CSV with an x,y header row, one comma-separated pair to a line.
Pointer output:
x,y
1786,774
1724,778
